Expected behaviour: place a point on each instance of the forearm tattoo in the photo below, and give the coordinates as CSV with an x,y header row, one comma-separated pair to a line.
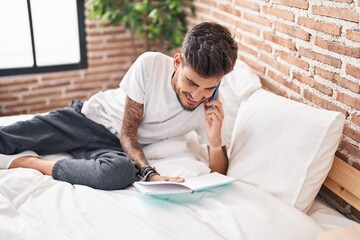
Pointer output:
x,y
128,137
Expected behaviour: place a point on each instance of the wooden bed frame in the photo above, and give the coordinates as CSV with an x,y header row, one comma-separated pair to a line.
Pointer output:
x,y
344,180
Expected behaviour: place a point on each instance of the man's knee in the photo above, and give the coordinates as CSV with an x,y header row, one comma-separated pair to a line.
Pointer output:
x,y
117,174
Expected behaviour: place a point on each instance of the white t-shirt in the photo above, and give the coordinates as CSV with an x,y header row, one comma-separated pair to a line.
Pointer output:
x,y
148,81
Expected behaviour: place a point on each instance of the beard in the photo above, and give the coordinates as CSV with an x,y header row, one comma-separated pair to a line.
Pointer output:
x,y
186,107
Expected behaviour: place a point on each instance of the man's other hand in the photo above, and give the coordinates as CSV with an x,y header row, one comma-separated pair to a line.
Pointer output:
x,y
165,178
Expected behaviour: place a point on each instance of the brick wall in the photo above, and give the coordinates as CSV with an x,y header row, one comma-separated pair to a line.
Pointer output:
x,y
110,52
305,50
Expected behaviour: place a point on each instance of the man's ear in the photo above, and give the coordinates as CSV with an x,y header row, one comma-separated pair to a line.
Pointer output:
x,y
177,61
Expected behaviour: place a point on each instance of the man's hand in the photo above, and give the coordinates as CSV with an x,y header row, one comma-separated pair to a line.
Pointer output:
x,y
218,160
214,119
164,178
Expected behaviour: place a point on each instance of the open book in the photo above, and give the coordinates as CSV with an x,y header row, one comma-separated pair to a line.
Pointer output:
x,y
190,185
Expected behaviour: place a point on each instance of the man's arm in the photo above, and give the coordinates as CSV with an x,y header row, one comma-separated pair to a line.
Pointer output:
x,y
133,114
218,160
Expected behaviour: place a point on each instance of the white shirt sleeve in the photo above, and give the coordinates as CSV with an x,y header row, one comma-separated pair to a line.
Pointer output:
x,y
135,80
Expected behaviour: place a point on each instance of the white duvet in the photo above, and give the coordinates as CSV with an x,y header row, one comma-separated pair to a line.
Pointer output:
x,y
34,206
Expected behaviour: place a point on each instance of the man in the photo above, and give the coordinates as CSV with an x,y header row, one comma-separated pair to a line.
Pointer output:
x,y
159,97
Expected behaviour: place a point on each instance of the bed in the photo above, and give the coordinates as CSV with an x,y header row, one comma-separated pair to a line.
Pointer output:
x,y
280,151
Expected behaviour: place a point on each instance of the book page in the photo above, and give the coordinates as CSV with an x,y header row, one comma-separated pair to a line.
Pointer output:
x,y
207,181
159,188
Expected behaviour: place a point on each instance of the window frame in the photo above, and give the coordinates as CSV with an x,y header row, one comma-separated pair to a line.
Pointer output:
x,y
54,68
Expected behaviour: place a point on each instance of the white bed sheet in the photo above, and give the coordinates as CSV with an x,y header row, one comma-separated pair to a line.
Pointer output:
x,y
327,217
34,206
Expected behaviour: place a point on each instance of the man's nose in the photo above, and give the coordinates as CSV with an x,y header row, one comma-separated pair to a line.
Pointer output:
x,y
198,94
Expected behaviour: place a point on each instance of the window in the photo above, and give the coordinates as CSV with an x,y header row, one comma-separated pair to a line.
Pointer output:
x,y
41,36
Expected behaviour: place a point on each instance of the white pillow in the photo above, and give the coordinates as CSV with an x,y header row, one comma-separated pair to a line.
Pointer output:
x,y
284,147
235,87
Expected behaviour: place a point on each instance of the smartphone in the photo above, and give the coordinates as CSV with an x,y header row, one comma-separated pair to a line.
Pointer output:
x,y
213,97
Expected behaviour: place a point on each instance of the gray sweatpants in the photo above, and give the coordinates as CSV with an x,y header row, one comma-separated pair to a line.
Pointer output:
x,y
99,160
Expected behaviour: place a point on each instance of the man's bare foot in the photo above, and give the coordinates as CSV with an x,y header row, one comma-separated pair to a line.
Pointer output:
x,y
6,160
24,161
33,162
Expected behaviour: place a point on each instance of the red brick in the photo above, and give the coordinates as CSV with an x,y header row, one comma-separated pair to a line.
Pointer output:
x,y
293,60
356,119
210,3
320,26
293,3
108,61
327,104
53,84
103,31
336,78
344,1
95,40
292,31
284,82
280,41
353,35
353,71
312,83
258,44
272,88
355,135
201,9
348,100
338,48
49,93
95,82
57,75
220,16
8,98
13,89
275,64
18,81
320,57
243,48
109,46
350,148
247,4
279,13
254,65
296,98
340,13
257,19
248,28
228,8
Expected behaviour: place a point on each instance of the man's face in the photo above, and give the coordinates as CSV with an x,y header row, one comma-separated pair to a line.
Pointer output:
x,y
190,88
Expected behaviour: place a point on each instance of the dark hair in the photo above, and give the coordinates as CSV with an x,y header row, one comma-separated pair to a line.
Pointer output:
x,y
209,49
